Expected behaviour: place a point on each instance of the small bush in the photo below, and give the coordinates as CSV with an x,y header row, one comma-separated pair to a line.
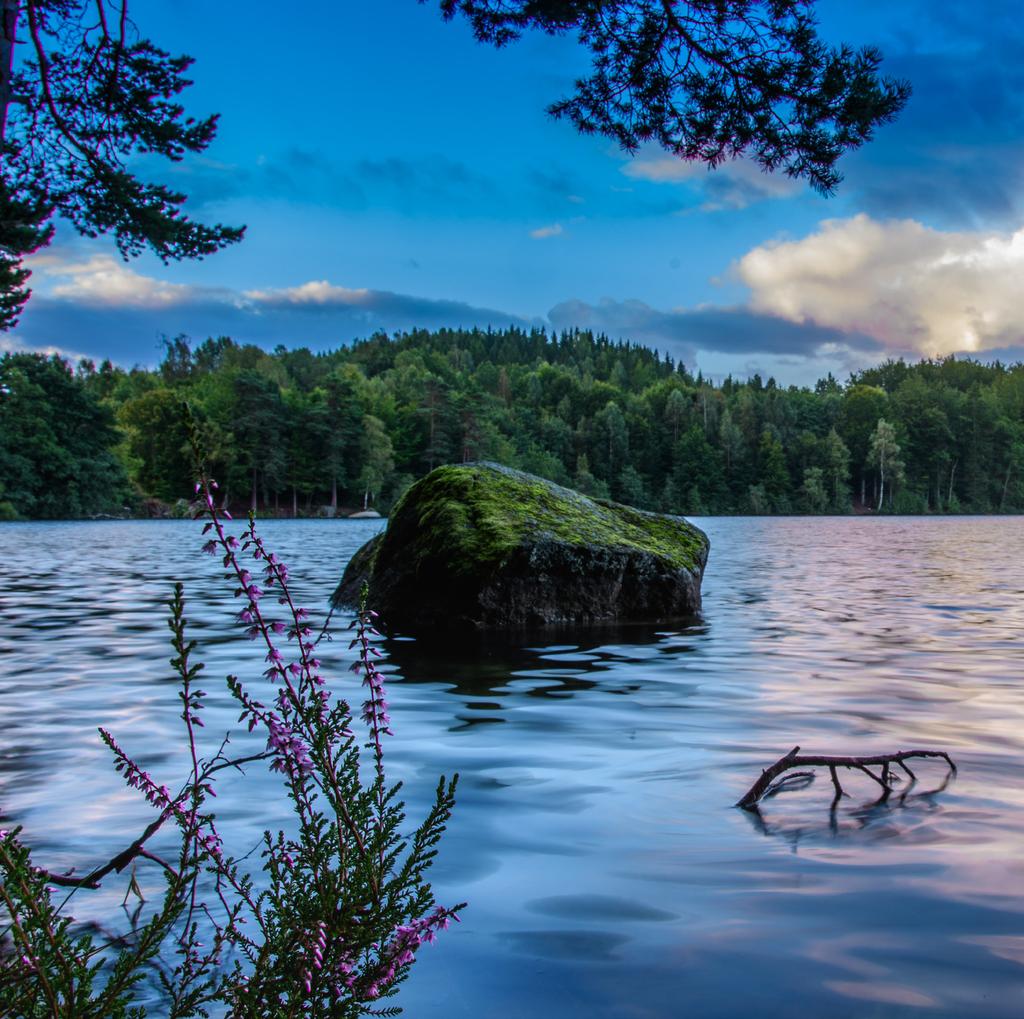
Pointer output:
x,y
327,924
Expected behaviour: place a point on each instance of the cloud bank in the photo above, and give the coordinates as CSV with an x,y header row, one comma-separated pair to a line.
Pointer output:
x,y
910,287
98,306
850,293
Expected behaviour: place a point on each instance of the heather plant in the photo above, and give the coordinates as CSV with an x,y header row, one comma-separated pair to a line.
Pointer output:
x,y
330,921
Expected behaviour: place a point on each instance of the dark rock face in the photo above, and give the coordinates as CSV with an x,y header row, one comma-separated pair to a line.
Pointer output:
x,y
484,546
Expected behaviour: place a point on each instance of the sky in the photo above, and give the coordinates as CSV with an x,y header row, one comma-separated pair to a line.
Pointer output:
x,y
393,173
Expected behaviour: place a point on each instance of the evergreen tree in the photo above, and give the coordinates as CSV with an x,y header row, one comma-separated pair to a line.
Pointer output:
x,y
86,96
837,458
695,484
630,488
260,431
773,475
585,482
342,430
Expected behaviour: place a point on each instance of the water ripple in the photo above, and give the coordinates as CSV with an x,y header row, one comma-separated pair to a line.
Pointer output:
x,y
607,875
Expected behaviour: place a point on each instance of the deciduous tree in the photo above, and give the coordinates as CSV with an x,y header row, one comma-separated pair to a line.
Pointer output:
x,y
55,443
885,457
377,458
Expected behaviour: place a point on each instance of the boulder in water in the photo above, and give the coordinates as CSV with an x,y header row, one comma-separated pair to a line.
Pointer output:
x,y
484,546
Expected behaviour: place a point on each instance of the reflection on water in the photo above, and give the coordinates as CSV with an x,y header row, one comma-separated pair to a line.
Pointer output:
x,y
901,814
608,875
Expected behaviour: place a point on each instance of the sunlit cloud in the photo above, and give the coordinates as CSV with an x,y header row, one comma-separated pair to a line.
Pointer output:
x,y
554,230
314,292
911,287
103,280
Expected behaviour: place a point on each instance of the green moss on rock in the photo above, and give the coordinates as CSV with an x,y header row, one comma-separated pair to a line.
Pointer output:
x,y
484,545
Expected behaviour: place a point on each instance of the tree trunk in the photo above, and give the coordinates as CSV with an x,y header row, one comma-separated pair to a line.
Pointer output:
x,y
9,11
881,486
863,493
254,496
366,498
334,493
1006,486
952,475
295,502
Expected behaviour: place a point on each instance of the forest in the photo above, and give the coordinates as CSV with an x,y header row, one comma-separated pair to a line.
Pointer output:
x,y
297,433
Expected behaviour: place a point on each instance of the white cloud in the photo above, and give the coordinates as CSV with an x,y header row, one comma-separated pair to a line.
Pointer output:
x,y
315,292
121,314
905,284
664,169
547,231
103,280
732,185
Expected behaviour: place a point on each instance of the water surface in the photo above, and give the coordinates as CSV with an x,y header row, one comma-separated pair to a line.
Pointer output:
x,y
608,875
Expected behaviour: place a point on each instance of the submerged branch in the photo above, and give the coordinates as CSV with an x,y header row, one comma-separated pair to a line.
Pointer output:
x,y
764,785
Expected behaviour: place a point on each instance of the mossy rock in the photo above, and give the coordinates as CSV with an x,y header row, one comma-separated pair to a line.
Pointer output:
x,y
482,546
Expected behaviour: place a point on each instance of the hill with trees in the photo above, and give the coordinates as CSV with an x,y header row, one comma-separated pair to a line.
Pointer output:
x,y
297,433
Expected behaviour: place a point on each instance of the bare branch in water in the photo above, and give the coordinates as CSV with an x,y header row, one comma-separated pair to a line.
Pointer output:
x,y
767,784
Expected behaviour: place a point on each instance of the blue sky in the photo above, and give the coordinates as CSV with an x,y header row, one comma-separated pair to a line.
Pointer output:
x,y
393,173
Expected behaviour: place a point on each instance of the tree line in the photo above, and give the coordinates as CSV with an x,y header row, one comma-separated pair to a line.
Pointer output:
x,y
297,433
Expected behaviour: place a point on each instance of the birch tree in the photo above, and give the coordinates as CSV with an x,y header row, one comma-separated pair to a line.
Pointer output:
x,y
884,457
377,456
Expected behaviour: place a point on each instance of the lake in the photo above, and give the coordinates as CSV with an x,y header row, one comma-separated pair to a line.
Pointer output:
x,y
607,873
